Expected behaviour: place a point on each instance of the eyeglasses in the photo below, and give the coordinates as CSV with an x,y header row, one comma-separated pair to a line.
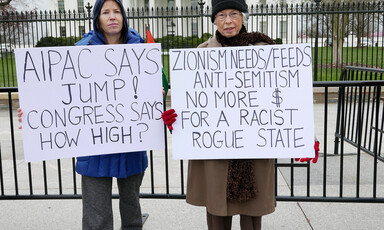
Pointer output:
x,y
232,15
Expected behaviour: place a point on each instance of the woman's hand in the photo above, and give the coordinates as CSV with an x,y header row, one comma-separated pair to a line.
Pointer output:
x,y
169,117
314,160
19,114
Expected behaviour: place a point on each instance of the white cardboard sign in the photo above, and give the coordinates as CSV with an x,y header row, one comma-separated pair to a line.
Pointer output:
x,y
242,102
90,100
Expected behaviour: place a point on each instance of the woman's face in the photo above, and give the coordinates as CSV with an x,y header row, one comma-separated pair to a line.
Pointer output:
x,y
111,19
229,22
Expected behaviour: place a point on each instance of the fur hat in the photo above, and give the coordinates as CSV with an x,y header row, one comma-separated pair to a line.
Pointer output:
x,y
219,5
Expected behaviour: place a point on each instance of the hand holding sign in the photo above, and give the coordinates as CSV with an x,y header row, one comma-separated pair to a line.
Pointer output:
x,y
169,117
314,160
19,115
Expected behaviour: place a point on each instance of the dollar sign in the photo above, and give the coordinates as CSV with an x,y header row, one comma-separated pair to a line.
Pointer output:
x,y
276,95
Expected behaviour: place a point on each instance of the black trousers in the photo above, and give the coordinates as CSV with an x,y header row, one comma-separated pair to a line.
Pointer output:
x,y
97,202
225,222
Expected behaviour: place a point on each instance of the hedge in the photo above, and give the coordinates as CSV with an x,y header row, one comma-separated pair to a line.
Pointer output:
x,y
60,41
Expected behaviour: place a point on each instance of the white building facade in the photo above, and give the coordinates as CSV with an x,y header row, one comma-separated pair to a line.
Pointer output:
x,y
186,22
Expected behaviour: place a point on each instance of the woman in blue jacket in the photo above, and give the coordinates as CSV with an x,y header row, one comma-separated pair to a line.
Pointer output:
x,y
110,27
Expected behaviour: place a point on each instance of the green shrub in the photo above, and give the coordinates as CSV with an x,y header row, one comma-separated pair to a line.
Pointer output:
x,y
174,42
206,36
60,41
278,41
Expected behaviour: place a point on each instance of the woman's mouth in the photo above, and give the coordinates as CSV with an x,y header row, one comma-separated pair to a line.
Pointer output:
x,y
229,29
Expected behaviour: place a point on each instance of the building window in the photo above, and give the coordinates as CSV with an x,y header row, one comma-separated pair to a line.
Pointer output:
x,y
283,29
63,31
61,6
194,3
146,4
264,2
81,30
171,4
171,27
283,2
80,6
194,28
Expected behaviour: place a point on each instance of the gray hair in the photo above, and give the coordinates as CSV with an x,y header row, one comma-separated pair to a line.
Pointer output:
x,y
245,18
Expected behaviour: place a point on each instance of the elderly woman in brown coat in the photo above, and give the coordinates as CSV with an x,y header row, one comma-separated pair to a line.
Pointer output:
x,y
231,187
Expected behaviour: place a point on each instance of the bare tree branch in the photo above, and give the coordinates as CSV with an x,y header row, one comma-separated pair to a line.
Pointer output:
x,y
4,2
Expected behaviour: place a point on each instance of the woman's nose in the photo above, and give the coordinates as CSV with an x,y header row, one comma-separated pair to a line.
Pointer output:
x,y
228,19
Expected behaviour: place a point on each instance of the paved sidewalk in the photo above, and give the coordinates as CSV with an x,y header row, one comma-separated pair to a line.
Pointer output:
x,y
177,215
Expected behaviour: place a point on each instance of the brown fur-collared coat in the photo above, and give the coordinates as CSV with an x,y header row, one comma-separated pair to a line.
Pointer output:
x,y
207,181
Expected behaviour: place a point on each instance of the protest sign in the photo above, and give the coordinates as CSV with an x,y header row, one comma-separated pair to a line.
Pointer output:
x,y
242,102
90,100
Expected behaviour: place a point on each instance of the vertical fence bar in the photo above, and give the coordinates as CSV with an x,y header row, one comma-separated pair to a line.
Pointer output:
x,y
59,176
371,132
152,172
359,136
45,178
342,132
74,176
13,143
30,178
1,174
308,178
315,60
325,141
201,13
292,182
376,141
276,178
89,8
12,43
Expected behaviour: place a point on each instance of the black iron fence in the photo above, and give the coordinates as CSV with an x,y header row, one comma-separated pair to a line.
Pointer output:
x,y
359,112
330,180
340,35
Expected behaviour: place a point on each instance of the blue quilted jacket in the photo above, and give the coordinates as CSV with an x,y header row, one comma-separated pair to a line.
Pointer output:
x,y
120,165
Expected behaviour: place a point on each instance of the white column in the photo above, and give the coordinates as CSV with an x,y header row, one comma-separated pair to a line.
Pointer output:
x,y
152,4
128,4
178,4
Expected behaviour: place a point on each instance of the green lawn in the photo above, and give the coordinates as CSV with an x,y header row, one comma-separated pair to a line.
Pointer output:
x,y
366,56
371,57
7,71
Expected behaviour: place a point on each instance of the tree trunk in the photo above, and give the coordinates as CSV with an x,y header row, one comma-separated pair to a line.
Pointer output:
x,y
338,33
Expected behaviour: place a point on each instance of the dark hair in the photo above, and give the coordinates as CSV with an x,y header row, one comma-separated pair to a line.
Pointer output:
x,y
124,29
